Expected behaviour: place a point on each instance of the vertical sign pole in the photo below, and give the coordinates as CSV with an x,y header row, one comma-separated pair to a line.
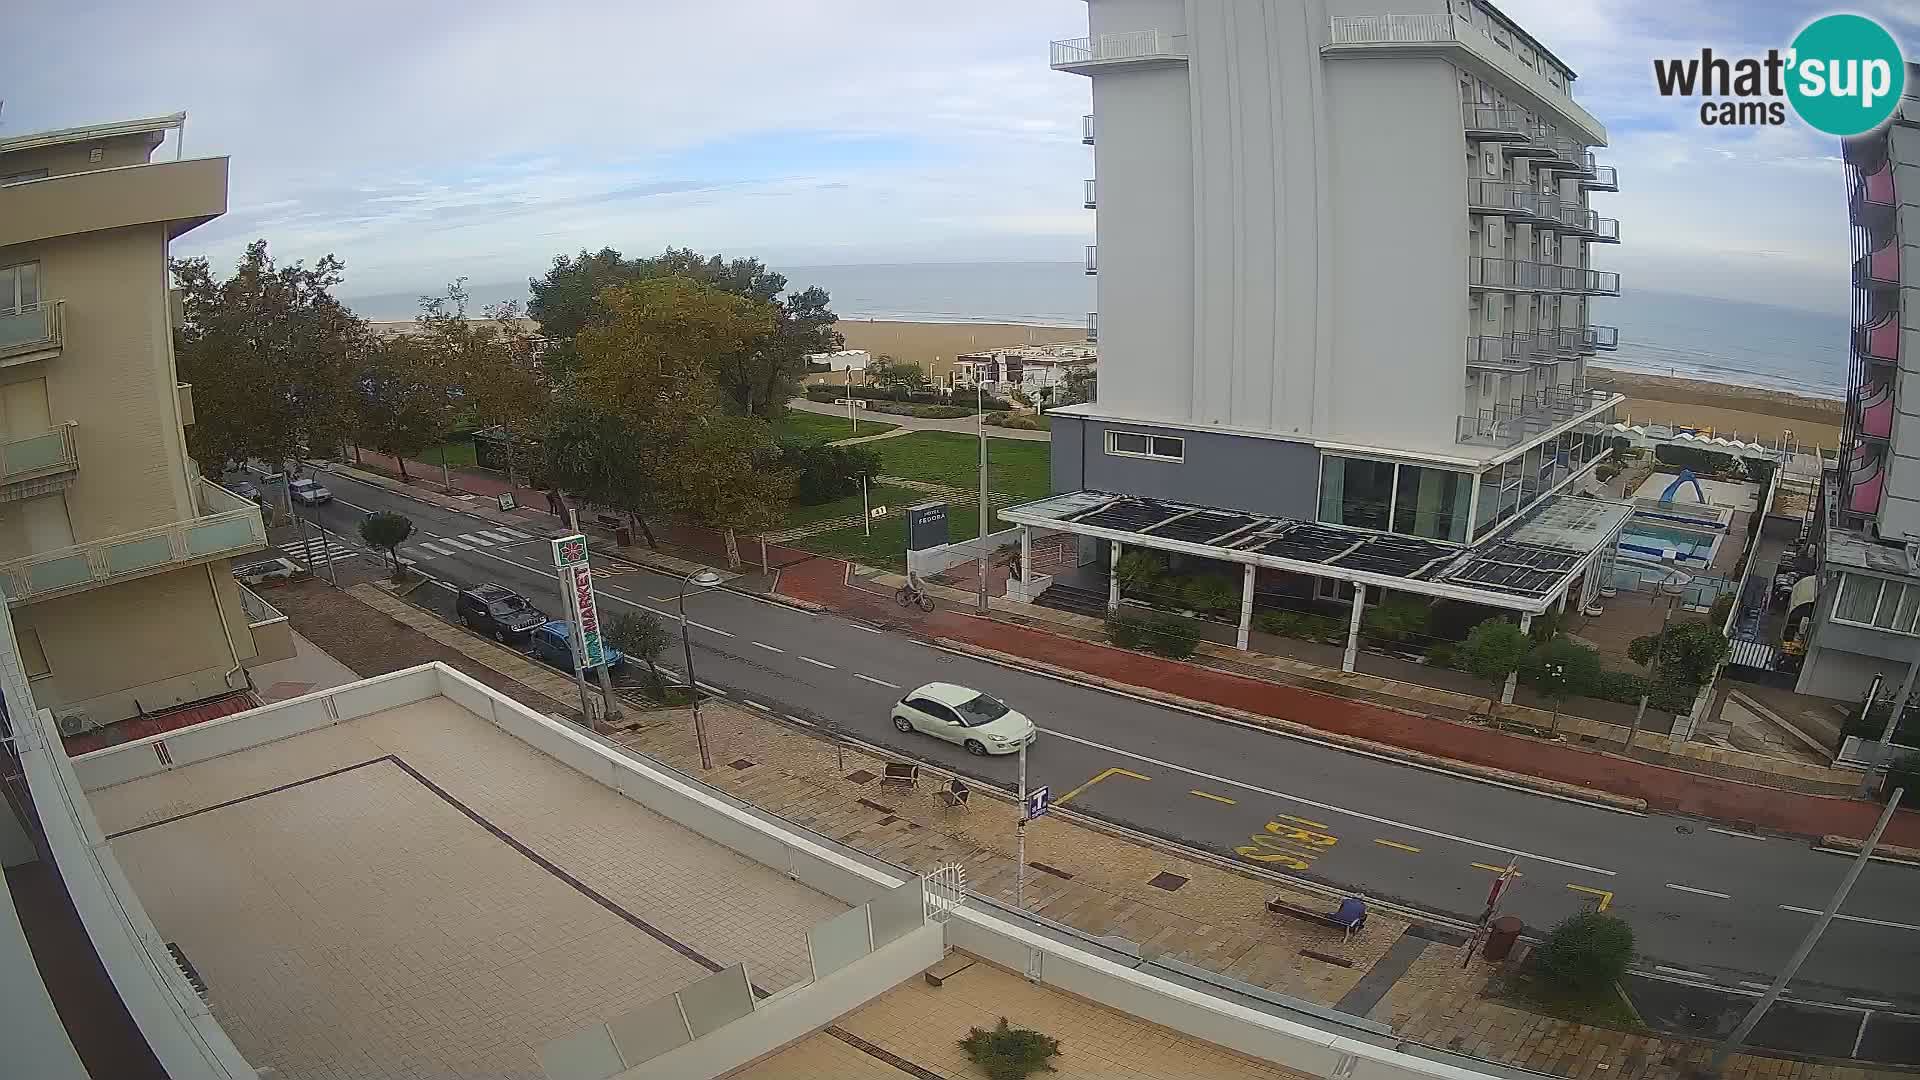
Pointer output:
x,y
1020,866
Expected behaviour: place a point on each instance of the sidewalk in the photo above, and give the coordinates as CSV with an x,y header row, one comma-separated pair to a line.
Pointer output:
x,y
1091,879
910,424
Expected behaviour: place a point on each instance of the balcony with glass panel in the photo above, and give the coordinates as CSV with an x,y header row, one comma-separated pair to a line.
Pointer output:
x,y
1601,178
31,332
227,525
1601,337
1092,263
37,463
1536,414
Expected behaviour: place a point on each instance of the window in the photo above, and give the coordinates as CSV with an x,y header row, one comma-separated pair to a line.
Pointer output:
x,y
1431,503
1356,491
19,286
1141,444
1868,601
32,656
981,710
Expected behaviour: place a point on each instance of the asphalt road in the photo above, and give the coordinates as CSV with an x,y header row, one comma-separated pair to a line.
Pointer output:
x,y
1708,905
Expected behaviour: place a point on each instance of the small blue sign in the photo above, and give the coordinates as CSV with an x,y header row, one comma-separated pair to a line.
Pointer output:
x,y
1039,801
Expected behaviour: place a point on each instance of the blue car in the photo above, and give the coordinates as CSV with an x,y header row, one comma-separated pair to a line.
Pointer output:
x,y
553,643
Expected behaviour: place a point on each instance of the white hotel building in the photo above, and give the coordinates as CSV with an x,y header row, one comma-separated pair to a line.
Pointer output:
x,y
1344,264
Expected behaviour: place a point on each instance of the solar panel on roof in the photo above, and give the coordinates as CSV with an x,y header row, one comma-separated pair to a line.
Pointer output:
x,y
1200,528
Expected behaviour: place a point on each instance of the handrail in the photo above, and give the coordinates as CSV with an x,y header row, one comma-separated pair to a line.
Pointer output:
x,y
32,326
257,610
1604,176
215,534
1133,45
42,453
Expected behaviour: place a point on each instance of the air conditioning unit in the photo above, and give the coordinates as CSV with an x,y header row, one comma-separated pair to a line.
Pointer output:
x,y
74,721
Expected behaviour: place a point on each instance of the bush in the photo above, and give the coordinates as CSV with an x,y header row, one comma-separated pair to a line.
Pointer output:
x,y
1620,445
1171,637
1397,618
1717,615
1621,686
1211,594
1608,471
961,399
1702,462
1440,654
1691,653
1126,631
1010,1053
1493,650
1138,571
825,393
1017,421
826,473
1586,953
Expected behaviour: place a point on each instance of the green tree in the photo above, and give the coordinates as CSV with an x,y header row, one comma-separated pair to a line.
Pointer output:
x,y
1138,571
489,363
405,398
271,356
1493,650
641,635
1560,669
1076,387
1586,953
901,377
610,462
386,531
1692,652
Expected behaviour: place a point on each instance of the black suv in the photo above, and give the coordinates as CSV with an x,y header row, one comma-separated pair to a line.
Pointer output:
x,y
498,612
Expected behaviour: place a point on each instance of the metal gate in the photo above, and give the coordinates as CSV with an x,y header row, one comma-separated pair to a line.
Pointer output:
x,y
945,889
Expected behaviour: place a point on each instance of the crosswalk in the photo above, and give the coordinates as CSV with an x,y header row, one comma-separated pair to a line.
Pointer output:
x,y
440,546
317,551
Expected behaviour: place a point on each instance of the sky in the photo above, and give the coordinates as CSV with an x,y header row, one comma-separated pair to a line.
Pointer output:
x,y
423,142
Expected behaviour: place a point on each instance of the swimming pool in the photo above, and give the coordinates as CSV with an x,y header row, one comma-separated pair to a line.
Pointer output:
x,y
1694,546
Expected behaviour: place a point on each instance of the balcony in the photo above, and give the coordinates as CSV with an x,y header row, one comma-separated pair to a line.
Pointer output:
x,y
1520,275
1512,424
1600,178
1602,337
272,637
228,525
1493,122
1606,230
1087,194
1501,197
1093,327
1086,129
1092,267
1597,282
1498,353
37,464
1550,346
1878,269
1536,141
1564,154
181,194
1878,342
33,332
1139,48
1459,43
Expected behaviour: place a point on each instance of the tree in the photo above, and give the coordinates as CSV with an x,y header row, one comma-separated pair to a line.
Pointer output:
x,y
386,531
1691,654
271,356
1077,386
824,472
640,634
489,363
1560,669
1493,650
1010,1053
608,461
1586,953
899,376
406,398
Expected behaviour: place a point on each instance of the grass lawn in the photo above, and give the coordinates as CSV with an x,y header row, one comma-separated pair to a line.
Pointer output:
x,y
1605,1007
458,454
887,547
1017,467
826,428
893,498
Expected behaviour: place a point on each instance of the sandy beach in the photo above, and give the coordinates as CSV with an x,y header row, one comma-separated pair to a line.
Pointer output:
x,y
1750,412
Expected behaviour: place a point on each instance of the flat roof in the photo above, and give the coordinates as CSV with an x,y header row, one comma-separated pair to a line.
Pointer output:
x,y
416,892
91,132
1521,567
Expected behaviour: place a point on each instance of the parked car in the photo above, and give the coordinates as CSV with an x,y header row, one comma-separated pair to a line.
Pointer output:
x,y
982,724
498,612
245,490
310,492
553,643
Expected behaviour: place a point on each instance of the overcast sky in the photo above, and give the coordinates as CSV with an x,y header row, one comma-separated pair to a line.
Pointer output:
x,y
421,142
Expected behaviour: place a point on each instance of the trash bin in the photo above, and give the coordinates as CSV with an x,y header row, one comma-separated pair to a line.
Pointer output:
x,y
1501,936
623,535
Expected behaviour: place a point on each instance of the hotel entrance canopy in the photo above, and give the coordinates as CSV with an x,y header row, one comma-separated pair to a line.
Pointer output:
x,y
1526,567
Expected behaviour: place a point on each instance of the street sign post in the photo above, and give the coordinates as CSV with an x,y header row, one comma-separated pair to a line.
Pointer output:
x,y
508,502
1039,801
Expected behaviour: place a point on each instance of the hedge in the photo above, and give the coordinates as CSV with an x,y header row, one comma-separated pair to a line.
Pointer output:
x,y
958,399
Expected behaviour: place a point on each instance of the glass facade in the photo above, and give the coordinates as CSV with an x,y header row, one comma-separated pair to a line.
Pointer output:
x,y
1432,503
1356,491
1409,499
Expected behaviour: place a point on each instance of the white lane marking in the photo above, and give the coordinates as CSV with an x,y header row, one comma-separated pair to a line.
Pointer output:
x,y
1294,735
1698,892
1751,985
436,548
1853,918
514,534
1874,1003
476,538
711,689
445,586
754,705
877,682
769,648
815,663
496,534
661,599
1683,972
1730,832
451,542
868,629
344,502
1844,853
717,630
1329,807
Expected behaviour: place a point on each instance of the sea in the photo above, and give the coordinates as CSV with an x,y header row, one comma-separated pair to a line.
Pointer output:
x,y
1661,333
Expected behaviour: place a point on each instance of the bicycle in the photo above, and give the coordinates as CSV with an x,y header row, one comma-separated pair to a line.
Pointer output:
x,y
910,595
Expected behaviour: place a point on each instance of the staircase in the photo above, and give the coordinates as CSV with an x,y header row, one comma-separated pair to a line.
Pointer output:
x,y
1074,598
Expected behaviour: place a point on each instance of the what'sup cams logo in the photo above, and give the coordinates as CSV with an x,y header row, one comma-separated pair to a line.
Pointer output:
x,y
1843,75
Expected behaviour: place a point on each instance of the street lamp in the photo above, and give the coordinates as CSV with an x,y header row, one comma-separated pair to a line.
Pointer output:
x,y
706,579
866,511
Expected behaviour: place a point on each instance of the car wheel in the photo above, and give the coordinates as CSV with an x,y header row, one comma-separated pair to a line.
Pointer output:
x,y
902,724
976,748
500,635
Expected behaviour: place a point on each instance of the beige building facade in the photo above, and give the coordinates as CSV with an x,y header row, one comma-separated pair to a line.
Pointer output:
x,y
114,552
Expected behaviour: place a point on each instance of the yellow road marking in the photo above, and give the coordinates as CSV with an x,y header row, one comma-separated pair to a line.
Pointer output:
x,y
1315,839
1495,869
1606,898
1097,779
1301,820
1211,795
1397,846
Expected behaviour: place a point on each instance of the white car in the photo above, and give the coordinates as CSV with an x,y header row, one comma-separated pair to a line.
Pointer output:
x,y
309,492
982,724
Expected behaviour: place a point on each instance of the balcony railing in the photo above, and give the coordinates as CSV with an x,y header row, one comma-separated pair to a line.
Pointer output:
x,y
1552,344
272,636
27,462
1563,154
1499,197
229,526
1093,326
1599,283
1536,141
1092,266
1516,422
1088,193
1086,129
1603,178
1603,337
1520,275
1606,230
1493,122
1139,46
31,332
1501,352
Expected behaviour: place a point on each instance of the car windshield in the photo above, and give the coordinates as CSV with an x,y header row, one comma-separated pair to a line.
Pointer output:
x,y
510,606
981,710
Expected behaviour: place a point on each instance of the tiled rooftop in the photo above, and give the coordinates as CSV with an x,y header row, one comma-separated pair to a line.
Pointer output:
x,y
416,894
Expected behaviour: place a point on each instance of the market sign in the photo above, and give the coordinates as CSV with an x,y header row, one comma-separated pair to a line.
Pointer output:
x,y
587,617
570,551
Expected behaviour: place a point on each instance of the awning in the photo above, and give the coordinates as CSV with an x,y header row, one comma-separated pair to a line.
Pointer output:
x,y
1524,567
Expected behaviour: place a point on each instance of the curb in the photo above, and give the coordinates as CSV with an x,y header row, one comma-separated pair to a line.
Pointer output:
x,y
1883,852
1349,742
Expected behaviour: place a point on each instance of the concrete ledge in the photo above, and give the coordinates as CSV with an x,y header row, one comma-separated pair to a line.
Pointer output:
x,y
1893,852
1388,750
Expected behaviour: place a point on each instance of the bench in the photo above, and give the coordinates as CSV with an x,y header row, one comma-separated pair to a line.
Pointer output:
x,y
953,795
608,522
904,773
1349,918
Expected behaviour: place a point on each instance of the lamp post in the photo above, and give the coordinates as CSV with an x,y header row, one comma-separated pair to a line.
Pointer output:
x,y
866,511
706,579
980,411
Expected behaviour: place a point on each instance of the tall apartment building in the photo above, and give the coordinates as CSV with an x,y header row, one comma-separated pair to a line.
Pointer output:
x,y
1866,621
1344,266
114,552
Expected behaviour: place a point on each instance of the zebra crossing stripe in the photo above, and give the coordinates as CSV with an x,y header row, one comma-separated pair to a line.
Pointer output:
x,y
476,538
436,548
514,533
497,534
451,542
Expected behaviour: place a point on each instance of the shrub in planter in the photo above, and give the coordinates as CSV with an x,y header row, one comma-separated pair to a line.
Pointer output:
x,y
1277,623
1126,631
1440,654
1587,952
1211,594
1171,637
1010,1053
1398,618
